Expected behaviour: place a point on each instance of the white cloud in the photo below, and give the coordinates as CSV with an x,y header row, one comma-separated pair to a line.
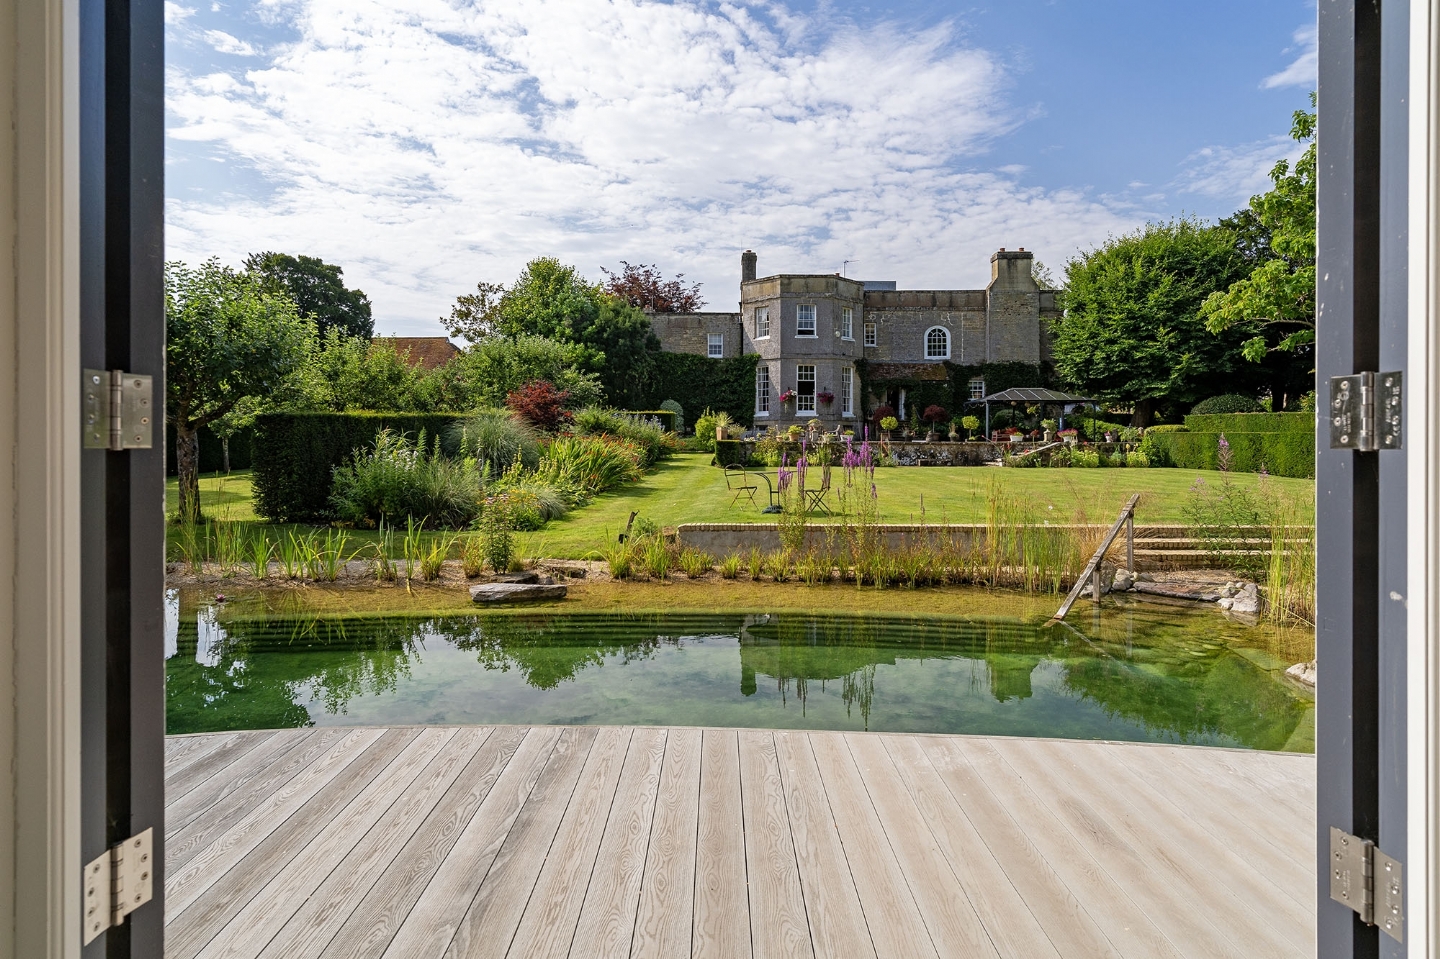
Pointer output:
x,y
1235,173
1303,70
176,14
225,43
426,148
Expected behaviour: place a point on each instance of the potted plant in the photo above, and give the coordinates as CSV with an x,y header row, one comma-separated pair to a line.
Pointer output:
x,y
722,424
1049,427
785,398
955,427
888,425
971,424
1015,436
826,397
1109,436
1070,437
933,415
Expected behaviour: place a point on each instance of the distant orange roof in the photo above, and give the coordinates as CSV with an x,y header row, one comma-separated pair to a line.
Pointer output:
x,y
426,352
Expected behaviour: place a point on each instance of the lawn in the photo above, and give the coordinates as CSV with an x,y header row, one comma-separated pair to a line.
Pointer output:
x,y
686,489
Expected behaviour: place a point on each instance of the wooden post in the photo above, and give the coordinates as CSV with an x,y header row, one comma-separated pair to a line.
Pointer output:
x,y
1095,584
1130,543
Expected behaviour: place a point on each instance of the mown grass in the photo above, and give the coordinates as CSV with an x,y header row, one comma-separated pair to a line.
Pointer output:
x,y
686,489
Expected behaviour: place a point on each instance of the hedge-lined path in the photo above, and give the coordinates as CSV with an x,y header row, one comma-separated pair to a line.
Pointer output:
x,y
652,841
687,489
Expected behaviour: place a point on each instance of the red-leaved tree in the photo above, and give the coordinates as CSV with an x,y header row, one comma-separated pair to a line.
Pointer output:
x,y
933,414
541,403
644,287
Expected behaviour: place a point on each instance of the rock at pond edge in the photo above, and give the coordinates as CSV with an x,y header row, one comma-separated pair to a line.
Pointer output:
x,y
517,592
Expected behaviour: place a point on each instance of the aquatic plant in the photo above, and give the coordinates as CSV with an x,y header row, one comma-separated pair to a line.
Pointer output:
x,y
655,553
695,563
257,552
472,557
621,561
755,563
434,559
730,567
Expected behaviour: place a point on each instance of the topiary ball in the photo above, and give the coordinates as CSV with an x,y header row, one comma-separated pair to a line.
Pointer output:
x,y
1227,403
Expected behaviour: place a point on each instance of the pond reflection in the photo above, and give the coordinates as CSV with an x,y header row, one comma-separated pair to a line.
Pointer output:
x,y
1138,674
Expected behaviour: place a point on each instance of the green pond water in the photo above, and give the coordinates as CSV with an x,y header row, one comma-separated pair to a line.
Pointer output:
x,y
1142,673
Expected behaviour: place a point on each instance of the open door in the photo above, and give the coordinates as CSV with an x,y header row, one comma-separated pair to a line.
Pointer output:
x,y
122,482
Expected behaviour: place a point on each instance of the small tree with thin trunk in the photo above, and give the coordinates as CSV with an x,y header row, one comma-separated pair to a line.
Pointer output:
x,y
226,338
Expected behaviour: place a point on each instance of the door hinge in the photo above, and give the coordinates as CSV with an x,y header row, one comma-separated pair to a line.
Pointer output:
x,y
1365,411
119,410
117,882
1368,881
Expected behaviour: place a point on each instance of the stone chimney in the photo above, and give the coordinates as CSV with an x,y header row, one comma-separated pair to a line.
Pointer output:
x,y
747,265
1011,271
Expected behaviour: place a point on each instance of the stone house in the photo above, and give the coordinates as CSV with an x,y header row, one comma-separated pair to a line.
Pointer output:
x,y
810,331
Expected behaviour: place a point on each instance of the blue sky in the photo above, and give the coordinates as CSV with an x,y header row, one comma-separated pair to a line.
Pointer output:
x,y
427,146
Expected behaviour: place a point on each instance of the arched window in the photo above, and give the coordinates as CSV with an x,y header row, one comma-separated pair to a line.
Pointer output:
x,y
937,343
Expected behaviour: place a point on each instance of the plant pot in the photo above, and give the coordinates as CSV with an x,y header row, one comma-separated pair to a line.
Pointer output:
x,y
954,437
1049,437
719,432
932,437
1109,437
885,435
1069,441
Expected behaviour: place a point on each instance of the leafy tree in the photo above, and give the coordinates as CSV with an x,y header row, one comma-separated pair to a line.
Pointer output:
x,y
1132,330
487,372
1280,290
552,300
226,338
345,373
318,291
475,315
645,288
541,404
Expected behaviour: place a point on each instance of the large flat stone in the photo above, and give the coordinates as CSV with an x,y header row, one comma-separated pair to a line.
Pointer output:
x,y
516,592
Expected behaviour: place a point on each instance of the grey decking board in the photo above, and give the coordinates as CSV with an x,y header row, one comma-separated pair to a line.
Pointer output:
x,y
1040,847
263,761
1027,908
667,891
293,826
607,918
832,906
368,929
778,923
720,926
547,928
320,917
431,924
489,924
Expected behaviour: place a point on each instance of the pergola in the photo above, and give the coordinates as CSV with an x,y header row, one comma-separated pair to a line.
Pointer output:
x,y
1026,394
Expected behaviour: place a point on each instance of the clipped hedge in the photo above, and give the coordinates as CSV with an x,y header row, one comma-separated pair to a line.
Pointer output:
x,y
212,452
1227,403
1281,453
1228,423
730,453
666,417
294,454
697,382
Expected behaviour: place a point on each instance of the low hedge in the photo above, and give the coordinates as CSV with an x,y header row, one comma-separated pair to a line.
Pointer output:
x,y
1228,423
1281,453
666,417
730,453
294,454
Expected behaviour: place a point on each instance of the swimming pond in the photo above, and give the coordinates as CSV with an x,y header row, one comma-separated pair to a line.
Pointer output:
x,y
1148,674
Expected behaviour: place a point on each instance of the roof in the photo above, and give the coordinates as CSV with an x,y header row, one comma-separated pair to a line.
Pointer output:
x,y
1025,394
880,372
426,352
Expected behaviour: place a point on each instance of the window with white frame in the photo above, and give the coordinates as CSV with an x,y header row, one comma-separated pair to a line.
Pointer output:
x,y
805,389
805,319
977,389
762,324
870,338
847,391
937,343
847,323
715,345
762,390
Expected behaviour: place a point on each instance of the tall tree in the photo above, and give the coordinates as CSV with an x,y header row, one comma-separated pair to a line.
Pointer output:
x,y
475,315
1132,332
318,290
226,338
644,287
552,300
1279,292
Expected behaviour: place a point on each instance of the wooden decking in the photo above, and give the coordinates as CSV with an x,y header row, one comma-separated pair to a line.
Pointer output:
x,y
658,842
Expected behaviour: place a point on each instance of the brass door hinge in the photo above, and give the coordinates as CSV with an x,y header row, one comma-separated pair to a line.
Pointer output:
x,y
118,412
1368,881
117,882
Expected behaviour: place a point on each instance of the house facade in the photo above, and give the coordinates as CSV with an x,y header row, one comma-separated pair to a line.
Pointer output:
x,y
811,331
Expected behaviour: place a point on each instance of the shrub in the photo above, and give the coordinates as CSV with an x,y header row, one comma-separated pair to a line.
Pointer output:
x,y
496,539
707,424
730,453
395,478
1228,403
541,404
1137,458
879,414
934,414
295,454
497,439
971,423
1085,458
638,428
889,423
677,419
592,464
